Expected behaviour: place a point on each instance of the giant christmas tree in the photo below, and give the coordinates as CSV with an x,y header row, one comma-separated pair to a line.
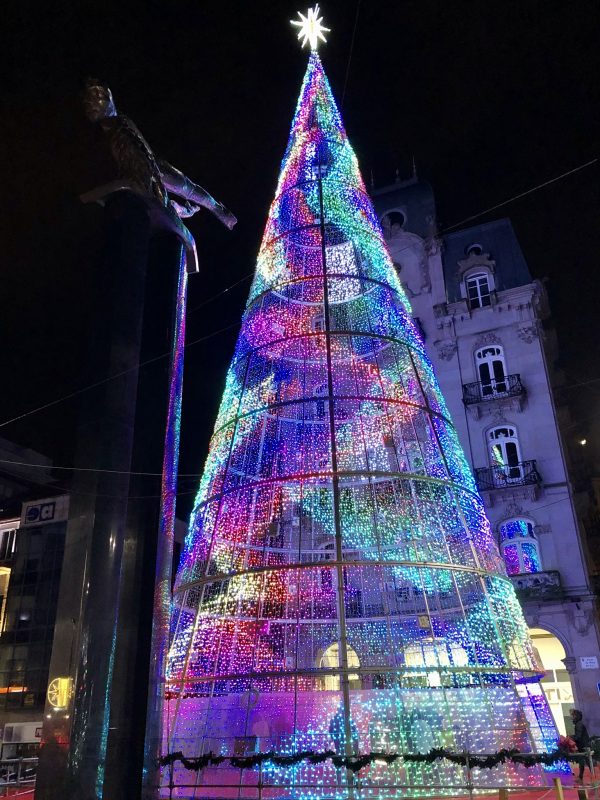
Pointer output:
x,y
340,587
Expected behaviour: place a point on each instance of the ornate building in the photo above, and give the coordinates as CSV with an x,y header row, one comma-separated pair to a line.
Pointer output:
x,y
486,326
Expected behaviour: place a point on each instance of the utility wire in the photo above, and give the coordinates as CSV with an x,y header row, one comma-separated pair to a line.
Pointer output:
x,y
233,325
94,469
575,385
194,475
350,53
219,294
522,194
112,377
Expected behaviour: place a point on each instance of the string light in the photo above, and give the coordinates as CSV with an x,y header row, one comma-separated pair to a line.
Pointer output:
x,y
340,587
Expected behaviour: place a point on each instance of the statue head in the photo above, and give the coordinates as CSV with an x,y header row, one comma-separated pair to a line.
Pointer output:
x,y
98,101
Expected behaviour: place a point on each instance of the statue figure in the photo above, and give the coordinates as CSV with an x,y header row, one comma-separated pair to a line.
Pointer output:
x,y
139,166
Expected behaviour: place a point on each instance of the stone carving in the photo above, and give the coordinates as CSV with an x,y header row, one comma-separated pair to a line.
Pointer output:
x,y
446,349
538,584
137,163
539,530
527,333
570,663
582,620
513,509
498,414
483,260
487,338
433,245
410,259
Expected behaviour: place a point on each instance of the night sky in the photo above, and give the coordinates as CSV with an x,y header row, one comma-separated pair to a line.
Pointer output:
x,y
491,99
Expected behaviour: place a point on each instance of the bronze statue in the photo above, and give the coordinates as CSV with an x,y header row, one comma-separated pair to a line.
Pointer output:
x,y
137,163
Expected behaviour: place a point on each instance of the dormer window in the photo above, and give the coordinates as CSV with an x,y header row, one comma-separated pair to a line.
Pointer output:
x,y
396,218
392,223
478,290
473,250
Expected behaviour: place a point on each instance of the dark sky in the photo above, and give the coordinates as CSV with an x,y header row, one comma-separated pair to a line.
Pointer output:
x,y
491,98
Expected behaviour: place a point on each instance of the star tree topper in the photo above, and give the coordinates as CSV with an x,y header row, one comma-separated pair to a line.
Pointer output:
x,y
311,27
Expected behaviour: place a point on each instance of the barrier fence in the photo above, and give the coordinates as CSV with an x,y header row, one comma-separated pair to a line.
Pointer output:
x,y
256,785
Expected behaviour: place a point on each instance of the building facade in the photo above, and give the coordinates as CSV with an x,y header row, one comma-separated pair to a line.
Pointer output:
x,y
32,535
487,327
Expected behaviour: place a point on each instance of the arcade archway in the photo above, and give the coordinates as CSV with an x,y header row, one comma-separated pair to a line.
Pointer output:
x,y
556,683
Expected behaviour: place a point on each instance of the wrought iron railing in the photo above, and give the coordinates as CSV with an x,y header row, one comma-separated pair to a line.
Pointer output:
x,y
494,389
501,477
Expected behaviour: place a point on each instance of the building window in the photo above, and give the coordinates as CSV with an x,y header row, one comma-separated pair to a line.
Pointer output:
x,y
505,453
491,369
8,538
474,249
318,323
320,391
478,290
331,660
519,546
393,222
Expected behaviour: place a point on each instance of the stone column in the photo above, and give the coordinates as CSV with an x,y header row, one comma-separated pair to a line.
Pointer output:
x,y
105,613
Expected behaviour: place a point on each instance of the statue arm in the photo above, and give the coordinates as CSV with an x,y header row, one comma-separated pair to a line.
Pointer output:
x,y
178,183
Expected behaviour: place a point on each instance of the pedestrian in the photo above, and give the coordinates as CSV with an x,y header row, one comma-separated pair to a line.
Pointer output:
x,y
581,738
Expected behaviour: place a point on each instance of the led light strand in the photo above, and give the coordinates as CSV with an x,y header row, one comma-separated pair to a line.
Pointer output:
x,y
438,653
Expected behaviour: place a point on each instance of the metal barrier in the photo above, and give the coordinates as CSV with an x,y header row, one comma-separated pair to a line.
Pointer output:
x,y
17,774
351,786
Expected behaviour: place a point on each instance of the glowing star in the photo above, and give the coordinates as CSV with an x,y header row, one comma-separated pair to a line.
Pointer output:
x,y
311,27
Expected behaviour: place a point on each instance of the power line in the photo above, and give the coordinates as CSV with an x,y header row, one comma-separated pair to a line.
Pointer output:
x,y
219,294
93,469
224,291
522,194
112,377
350,53
70,491
575,385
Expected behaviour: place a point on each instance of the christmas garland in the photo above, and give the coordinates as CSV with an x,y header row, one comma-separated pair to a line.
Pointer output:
x,y
356,763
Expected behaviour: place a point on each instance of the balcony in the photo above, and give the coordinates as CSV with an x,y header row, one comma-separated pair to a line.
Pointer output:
x,y
507,392
538,585
518,480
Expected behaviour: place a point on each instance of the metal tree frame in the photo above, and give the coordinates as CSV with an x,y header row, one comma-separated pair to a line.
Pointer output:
x,y
340,586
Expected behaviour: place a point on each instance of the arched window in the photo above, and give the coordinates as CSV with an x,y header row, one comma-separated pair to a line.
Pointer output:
x,y
557,685
331,660
477,286
519,546
491,369
392,222
505,453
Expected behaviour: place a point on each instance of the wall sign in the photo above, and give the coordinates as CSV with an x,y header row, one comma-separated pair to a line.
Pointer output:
x,y
588,662
38,512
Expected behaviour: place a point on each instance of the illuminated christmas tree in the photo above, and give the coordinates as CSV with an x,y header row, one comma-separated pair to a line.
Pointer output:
x,y
340,587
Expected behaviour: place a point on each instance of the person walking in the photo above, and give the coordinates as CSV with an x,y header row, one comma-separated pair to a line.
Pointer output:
x,y
581,738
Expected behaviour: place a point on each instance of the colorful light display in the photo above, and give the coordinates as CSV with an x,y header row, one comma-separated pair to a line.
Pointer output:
x,y
340,587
